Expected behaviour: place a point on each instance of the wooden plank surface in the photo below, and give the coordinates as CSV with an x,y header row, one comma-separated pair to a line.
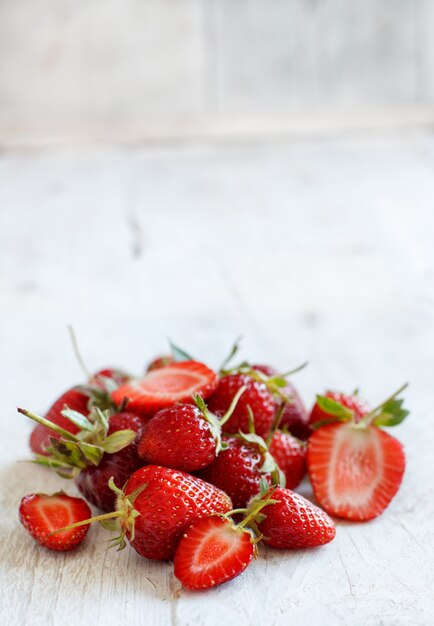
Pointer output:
x,y
312,250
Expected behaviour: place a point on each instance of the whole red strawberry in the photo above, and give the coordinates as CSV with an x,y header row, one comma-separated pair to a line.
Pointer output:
x,y
237,470
293,522
41,515
166,386
290,455
355,467
40,436
185,436
256,396
169,503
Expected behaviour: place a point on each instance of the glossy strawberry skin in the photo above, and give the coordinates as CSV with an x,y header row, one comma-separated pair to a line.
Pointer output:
x,y
352,402
166,386
236,471
290,455
211,552
41,514
294,417
40,436
171,501
178,437
92,482
294,522
256,396
355,472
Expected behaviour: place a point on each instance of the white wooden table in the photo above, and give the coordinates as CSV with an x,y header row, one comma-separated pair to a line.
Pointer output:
x,y
312,250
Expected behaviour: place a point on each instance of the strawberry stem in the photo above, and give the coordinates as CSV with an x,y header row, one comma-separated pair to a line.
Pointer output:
x,y
293,371
369,418
54,427
77,352
97,518
232,405
276,423
260,504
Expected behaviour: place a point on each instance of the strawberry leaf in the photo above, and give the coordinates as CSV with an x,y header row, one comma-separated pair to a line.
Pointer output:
x,y
392,413
179,354
118,440
336,409
78,419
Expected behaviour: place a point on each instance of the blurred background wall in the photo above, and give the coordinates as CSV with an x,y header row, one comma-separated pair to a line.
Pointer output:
x,y
131,70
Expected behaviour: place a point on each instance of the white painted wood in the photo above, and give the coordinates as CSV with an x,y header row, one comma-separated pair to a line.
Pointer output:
x,y
135,70
312,250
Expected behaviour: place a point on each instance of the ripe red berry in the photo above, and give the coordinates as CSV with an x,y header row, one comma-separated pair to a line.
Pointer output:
x,y
294,522
237,470
41,515
256,396
211,552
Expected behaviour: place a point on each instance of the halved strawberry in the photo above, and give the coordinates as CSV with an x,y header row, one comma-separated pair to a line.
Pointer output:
x,y
41,515
355,470
166,386
212,551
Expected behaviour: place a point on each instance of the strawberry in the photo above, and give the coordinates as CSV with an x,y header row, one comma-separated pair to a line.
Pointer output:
x,y
156,507
184,436
290,455
159,362
355,467
290,521
239,468
332,403
104,446
294,417
41,514
166,386
212,551
256,396
40,436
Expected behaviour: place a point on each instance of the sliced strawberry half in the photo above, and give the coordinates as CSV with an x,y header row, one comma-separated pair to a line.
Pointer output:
x,y
355,471
42,514
211,552
166,386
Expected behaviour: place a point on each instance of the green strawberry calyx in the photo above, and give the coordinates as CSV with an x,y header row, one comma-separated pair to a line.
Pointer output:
x,y
71,453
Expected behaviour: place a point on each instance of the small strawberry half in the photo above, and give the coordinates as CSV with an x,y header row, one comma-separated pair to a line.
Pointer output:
x,y
159,362
42,514
212,551
291,522
355,467
166,386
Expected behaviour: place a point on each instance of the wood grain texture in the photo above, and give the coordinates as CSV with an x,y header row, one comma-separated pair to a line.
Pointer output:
x,y
312,250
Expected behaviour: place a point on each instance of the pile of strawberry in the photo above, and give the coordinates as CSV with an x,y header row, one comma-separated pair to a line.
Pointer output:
x,y
198,467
